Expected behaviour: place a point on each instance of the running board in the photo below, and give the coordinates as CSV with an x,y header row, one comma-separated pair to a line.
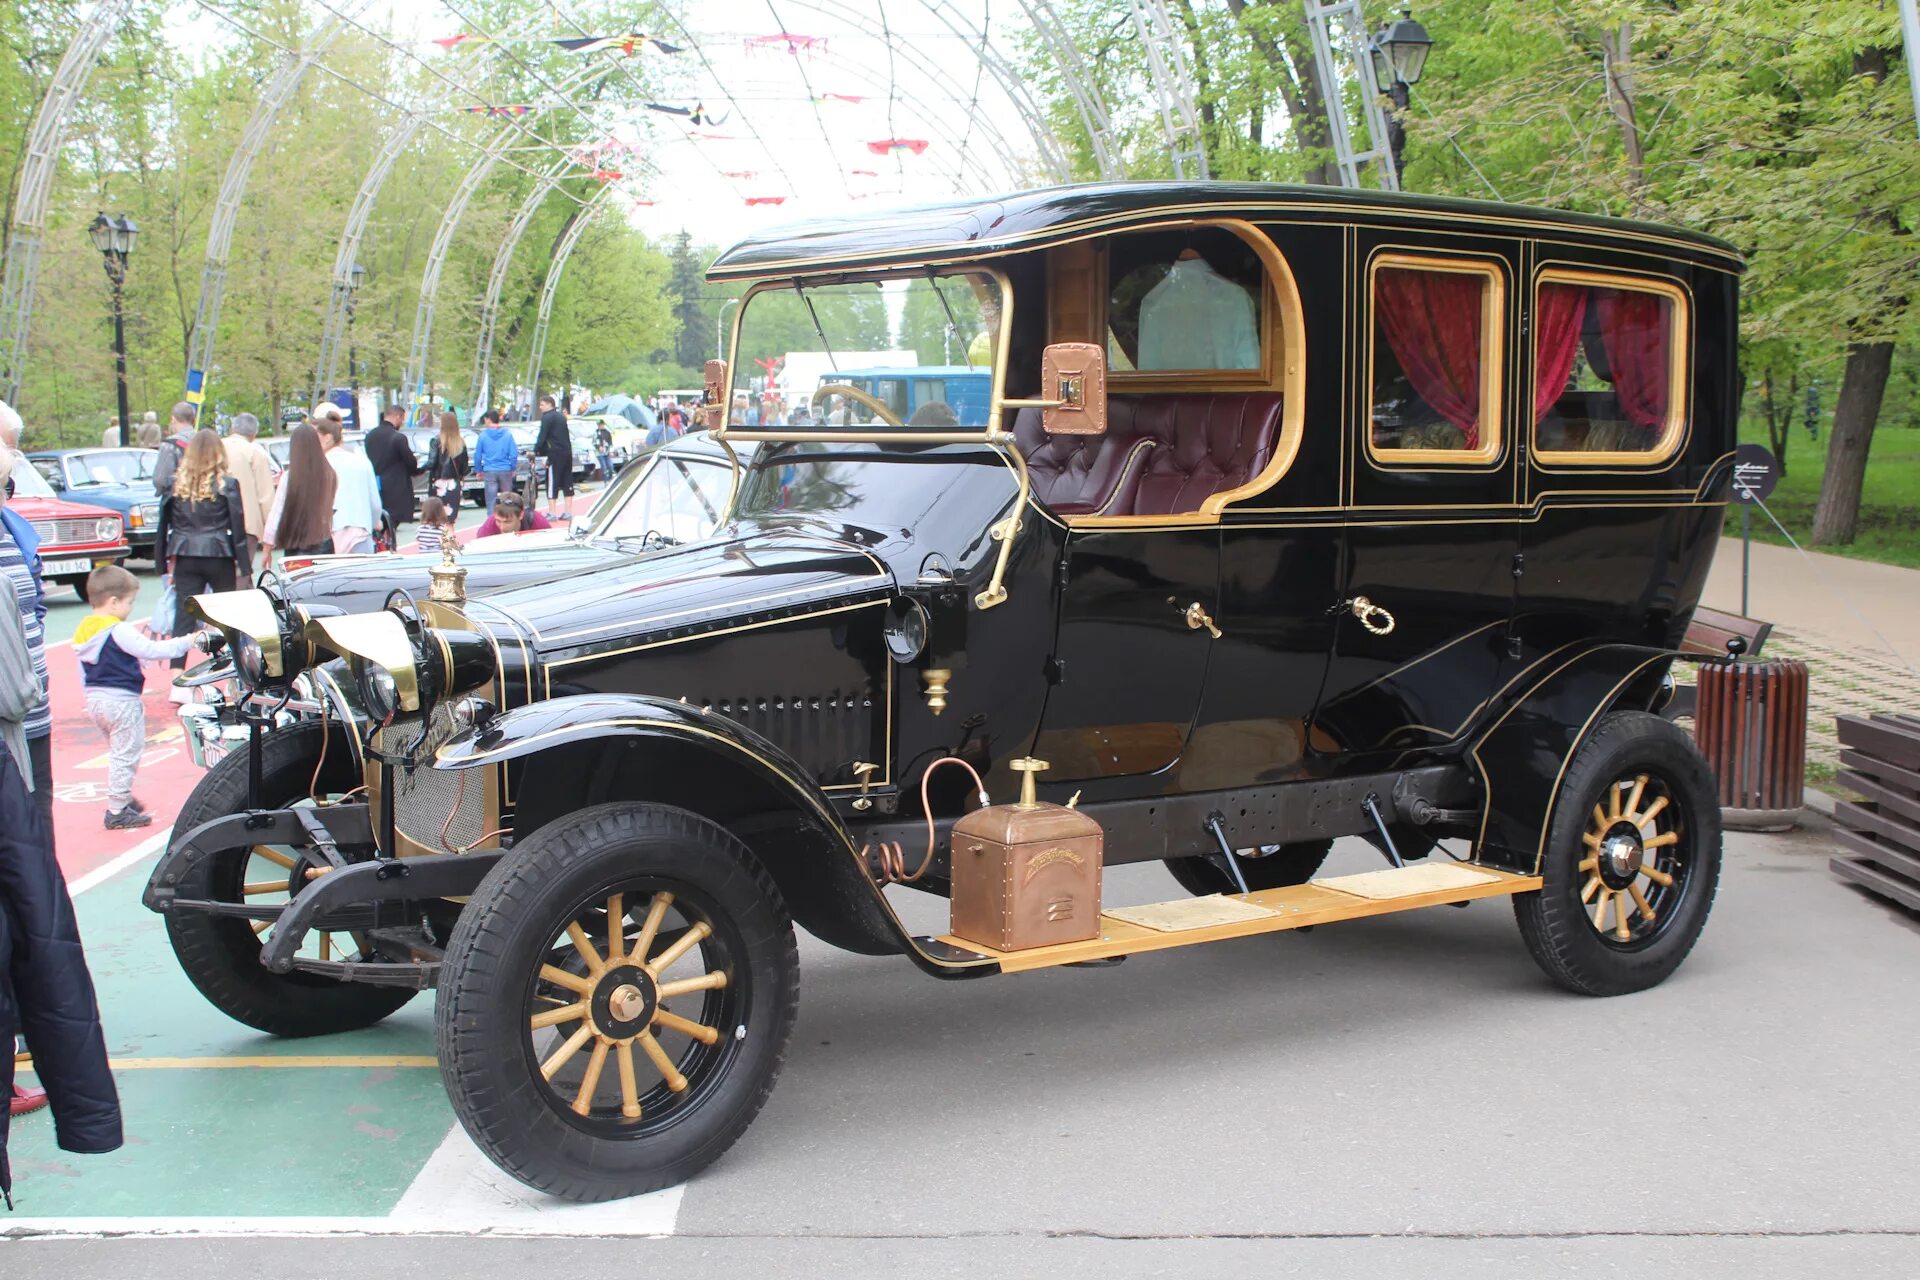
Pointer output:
x,y
1185,922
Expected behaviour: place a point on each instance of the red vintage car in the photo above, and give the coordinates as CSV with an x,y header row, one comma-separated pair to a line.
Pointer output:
x,y
74,537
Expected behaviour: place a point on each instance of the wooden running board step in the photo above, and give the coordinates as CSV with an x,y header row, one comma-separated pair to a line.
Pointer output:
x,y
1186,922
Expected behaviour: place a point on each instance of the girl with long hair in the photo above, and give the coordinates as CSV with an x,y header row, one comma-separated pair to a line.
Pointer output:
x,y
447,464
202,538
301,519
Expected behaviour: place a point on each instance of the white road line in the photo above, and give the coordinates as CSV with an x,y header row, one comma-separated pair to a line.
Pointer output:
x,y
460,1190
107,871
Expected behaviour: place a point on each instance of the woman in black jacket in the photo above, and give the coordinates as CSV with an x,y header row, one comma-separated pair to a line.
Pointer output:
x,y
46,993
447,463
203,529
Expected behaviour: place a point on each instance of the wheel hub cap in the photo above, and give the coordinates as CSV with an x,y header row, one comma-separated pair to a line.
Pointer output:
x,y
1620,857
624,1000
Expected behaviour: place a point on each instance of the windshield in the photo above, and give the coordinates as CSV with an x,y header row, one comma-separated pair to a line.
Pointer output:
x,y
121,466
883,488
679,499
28,482
915,351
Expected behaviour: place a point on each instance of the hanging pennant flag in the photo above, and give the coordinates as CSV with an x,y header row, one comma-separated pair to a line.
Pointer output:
x,y
629,43
607,175
708,135
753,200
887,146
786,42
668,109
838,97
518,109
863,173
696,114
450,43
745,175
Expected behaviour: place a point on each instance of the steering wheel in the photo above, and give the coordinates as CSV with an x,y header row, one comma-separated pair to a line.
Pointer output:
x,y
826,389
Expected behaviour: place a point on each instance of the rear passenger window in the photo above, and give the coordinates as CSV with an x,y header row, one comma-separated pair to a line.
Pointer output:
x,y
1185,301
1435,360
1608,373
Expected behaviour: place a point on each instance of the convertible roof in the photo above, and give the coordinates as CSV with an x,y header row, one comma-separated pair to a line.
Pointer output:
x,y
963,229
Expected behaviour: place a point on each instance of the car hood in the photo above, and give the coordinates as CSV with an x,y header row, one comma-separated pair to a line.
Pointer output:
x,y
132,495
752,574
360,584
58,509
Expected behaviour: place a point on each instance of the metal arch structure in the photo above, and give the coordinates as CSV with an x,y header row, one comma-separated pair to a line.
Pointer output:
x,y
414,379
497,279
561,252
1172,87
37,170
274,95
339,300
1336,27
1054,155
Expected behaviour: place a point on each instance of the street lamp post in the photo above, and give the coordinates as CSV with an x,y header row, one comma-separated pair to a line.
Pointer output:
x,y
356,277
114,238
1399,53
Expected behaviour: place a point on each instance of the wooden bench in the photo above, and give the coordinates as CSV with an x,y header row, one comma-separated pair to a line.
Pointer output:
x,y
1708,633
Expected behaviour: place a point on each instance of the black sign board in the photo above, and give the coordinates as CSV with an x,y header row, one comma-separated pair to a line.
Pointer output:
x,y
1755,473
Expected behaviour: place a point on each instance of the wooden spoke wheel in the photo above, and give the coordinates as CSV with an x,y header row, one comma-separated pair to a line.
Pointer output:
x,y
221,954
602,1017
1630,862
615,1001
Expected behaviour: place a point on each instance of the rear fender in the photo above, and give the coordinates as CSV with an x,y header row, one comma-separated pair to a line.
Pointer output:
x,y
1523,753
589,749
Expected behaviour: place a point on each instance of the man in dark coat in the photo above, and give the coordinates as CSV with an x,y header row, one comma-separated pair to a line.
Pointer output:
x,y
555,443
46,993
393,464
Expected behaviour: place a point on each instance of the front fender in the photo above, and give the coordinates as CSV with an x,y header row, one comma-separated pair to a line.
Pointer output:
x,y
1523,754
586,749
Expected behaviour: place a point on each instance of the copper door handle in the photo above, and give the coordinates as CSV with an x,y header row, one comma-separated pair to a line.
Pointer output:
x,y
1197,617
1372,616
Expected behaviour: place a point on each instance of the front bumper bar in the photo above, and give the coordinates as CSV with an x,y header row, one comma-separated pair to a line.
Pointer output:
x,y
353,893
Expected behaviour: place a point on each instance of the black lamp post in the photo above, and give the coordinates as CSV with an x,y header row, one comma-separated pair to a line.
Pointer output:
x,y
355,278
1399,53
114,238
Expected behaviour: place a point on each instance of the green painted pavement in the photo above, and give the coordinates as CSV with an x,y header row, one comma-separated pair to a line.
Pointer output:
x,y
231,1141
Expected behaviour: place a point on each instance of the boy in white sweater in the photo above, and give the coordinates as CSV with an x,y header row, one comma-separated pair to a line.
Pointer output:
x,y
111,650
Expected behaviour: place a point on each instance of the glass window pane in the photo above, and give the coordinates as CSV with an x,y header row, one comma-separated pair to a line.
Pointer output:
x,y
1605,369
1431,384
914,350
1185,300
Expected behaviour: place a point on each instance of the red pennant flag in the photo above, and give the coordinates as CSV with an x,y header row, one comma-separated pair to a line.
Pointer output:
x,y
887,146
753,200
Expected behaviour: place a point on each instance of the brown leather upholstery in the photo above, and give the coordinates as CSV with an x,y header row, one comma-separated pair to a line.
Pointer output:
x,y
1161,455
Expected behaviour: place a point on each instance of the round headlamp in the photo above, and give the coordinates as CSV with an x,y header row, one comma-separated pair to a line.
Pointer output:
x,y
107,528
250,661
378,690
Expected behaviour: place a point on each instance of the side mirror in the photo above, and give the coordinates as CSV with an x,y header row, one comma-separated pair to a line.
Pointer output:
x,y
1073,389
715,406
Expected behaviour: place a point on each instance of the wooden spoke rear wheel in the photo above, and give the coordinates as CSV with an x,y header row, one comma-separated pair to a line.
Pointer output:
x,y
616,1000
1631,861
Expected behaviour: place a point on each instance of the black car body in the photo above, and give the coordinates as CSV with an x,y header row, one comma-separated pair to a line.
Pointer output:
x,y
1297,514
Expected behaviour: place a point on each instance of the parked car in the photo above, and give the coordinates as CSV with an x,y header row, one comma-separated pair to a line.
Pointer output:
x,y
75,537
119,479
1179,563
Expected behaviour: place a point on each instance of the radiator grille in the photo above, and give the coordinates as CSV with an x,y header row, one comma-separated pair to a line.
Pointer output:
x,y
60,532
423,797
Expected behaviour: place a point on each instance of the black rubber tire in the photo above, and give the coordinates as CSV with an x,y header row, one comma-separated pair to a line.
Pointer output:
x,y
221,956
499,942
1553,921
1289,865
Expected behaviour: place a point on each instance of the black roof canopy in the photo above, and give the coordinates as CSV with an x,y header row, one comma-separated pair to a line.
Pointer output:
x,y
963,229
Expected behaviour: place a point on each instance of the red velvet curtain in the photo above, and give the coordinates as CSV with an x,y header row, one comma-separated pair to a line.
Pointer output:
x,y
1432,323
1636,330
1557,320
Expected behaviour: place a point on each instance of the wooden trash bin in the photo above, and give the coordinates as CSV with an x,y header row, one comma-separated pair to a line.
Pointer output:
x,y
1751,723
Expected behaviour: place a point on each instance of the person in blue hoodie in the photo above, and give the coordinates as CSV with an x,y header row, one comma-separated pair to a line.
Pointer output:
x,y
496,456
111,650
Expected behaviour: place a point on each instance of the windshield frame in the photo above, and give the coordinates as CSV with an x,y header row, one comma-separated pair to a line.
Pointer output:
x,y
990,433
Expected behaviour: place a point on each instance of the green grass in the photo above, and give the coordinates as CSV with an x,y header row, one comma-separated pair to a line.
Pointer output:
x,y
1889,506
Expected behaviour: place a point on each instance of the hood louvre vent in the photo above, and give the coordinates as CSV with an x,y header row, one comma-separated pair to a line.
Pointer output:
x,y
825,731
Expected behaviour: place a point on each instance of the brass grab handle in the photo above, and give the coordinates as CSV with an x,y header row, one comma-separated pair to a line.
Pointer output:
x,y
1372,616
1198,617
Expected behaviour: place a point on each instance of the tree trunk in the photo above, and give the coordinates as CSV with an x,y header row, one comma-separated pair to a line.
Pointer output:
x,y
1837,517
1616,49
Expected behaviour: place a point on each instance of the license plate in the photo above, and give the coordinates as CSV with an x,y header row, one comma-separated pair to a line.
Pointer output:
x,y
65,568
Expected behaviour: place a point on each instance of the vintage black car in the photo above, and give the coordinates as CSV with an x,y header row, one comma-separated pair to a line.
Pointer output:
x,y
1295,513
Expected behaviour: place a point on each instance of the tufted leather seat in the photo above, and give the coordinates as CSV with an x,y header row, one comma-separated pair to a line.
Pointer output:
x,y
1161,455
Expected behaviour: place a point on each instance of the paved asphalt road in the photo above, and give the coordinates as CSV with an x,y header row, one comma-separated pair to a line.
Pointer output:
x,y
1402,1096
